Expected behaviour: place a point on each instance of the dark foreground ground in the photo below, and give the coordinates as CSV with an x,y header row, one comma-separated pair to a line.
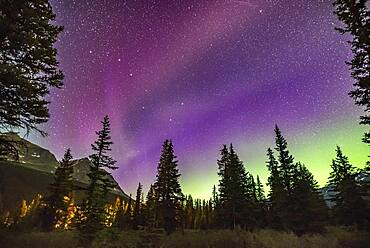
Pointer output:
x,y
332,238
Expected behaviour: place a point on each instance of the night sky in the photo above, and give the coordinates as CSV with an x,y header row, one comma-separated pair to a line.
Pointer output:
x,y
203,73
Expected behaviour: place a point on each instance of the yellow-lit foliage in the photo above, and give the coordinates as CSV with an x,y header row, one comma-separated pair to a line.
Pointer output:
x,y
64,219
7,219
111,211
35,203
27,209
23,209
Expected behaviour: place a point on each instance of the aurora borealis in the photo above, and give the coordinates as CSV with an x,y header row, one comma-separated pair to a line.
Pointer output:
x,y
203,73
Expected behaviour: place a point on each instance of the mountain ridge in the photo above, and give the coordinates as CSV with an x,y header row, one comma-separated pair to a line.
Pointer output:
x,y
33,172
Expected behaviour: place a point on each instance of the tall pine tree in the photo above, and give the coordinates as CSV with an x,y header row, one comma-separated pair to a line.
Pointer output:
x,y
137,214
167,188
286,161
99,185
278,196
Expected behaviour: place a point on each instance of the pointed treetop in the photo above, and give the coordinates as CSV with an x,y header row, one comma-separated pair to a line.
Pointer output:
x,y
67,156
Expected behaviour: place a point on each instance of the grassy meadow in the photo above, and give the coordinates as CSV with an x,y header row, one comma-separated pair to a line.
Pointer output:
x,y
333,237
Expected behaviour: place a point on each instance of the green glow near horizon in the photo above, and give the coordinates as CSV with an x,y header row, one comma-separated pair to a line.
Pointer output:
x,y
316,151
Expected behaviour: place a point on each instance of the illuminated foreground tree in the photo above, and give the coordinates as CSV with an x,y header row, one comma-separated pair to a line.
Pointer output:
x,y
59,200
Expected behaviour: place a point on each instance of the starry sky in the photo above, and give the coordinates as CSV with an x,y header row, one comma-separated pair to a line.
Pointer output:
x,y
203,73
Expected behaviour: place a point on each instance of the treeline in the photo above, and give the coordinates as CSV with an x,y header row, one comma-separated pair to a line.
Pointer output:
x,y
293,202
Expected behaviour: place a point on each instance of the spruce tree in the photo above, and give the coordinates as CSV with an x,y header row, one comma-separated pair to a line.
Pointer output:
x,y
216,208
341,168
214,196
99,185
28,67
286,161
260,192
56,205
167,188
137,214
253,189
350,208
355,16
308,211
150,208
278,196
223,217
261,206
28,64
234,199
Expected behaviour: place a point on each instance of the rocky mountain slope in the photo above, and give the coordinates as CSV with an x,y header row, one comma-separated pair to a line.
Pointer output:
x,y
328,192
34,171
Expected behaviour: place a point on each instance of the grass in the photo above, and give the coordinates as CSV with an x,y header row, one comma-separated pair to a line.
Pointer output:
x,y
334,237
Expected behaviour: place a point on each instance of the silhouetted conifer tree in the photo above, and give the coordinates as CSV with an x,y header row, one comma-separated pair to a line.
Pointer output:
x,y
99,184
294,201
260,192
167,188
253,190
215,196
28,67
286,161
349,207
235,200
278,195
307,209
150,208
28,64
137,214
261,205
216,213
355,16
